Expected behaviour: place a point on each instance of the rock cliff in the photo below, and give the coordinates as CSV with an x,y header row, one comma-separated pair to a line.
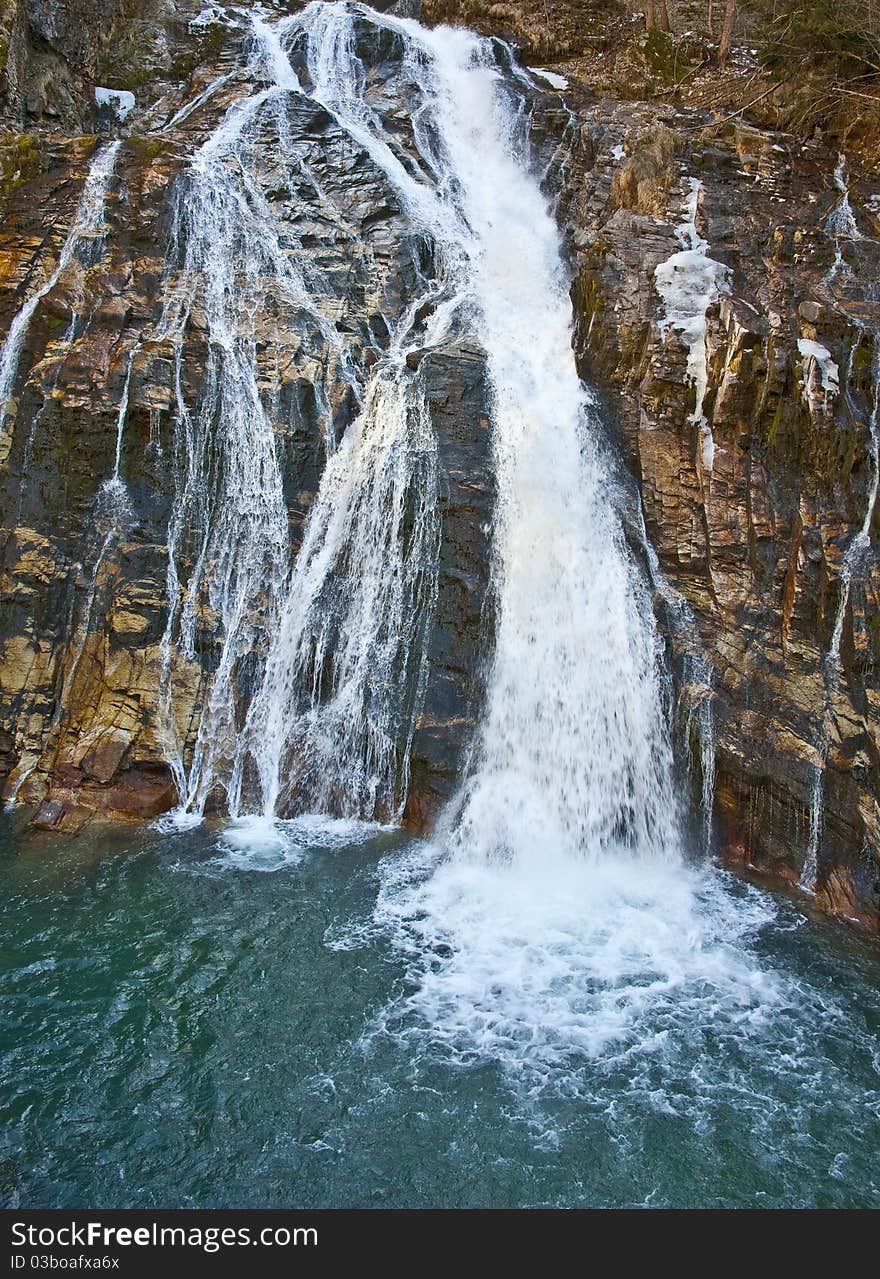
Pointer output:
x,y
739,383
768,534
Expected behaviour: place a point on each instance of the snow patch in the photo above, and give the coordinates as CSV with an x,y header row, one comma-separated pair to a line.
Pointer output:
x,y
120,101
555,81
618,153
814,355
689,282
214,15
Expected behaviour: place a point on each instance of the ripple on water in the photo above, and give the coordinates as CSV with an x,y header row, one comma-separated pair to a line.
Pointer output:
x,y
632,988
377,1025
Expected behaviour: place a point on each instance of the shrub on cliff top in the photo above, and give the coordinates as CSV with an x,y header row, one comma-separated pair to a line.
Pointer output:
x,y
838,36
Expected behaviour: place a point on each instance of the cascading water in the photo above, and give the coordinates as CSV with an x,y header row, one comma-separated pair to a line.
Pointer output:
x,y
572,746
696,722
573,752
556,882
235,262
860,546
554,908
344,673
85,233
842,227
841,224
573,736
855,559
83,245
331,724
111,517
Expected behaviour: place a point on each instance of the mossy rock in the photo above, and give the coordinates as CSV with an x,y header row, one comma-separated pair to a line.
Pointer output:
x,y
145,148
659,52
20,159
668,60
137,57
862,359
203,46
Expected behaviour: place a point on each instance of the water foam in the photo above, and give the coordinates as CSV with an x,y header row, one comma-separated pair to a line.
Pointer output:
x,y
267,844
555,971
554,919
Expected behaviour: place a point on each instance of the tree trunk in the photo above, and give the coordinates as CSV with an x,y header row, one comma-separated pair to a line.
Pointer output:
x,y
662,14
727,33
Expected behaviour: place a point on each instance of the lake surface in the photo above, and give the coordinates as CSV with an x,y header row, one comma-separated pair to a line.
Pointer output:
x,y
322,1014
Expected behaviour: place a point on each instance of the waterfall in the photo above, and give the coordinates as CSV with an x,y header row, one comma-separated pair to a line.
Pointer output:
x,y
111,518
841,224
331,725
855,559
573,739
860,544
554,905
86,229
696,720
228,538
573,752
316,666
207,93
83,243
345,671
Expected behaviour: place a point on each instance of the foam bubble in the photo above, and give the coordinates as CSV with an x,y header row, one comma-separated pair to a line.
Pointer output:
x,y
258,844
542,971
269,844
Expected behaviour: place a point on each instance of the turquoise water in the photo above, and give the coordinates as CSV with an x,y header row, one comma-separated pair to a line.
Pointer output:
x,y
307,1018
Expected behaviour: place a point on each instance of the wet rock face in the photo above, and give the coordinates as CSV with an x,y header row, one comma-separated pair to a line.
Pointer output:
x,y
54,53
87,677
754,535
81,629
771,543
460,635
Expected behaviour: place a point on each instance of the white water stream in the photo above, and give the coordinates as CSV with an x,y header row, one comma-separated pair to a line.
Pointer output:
x,y
554,907
234,264
573,741
549,1002
841,227
87,227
